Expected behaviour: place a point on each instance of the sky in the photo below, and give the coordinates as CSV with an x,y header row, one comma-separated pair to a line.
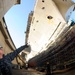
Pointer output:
x,y
16,20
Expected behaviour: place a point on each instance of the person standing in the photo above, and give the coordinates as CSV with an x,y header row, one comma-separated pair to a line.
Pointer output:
x,y
48,70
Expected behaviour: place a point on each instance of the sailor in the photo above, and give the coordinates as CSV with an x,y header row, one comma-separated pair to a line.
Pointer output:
x,y
5,60
48,70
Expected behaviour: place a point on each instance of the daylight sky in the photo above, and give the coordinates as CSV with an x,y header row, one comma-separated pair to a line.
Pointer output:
x,y
16,20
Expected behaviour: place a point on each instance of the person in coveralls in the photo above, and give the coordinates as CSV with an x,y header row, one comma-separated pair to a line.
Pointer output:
x,y
48,70
6,60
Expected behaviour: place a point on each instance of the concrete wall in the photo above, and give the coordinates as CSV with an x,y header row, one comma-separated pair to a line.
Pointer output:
x,y
6,41
5,5
5,38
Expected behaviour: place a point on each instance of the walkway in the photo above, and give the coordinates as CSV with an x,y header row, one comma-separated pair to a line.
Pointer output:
x,y
27,72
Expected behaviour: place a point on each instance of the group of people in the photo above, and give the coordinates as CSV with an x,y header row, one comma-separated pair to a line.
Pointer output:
x,y
6,60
